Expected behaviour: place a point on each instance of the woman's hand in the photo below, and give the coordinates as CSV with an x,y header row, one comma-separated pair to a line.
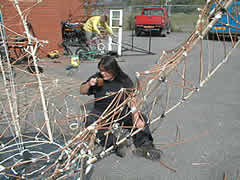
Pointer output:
x,y
138,120
85,87
92,82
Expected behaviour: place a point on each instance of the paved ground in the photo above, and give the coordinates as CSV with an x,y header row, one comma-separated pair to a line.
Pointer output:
x,y
209,122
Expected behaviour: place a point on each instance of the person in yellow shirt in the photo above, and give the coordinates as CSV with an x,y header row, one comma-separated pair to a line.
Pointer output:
x,y
92,24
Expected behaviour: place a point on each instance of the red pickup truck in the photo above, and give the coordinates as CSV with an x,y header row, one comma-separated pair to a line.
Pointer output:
x,y
154,19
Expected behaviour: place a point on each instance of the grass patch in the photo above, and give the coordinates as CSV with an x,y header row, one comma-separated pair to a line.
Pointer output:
x,y
181,22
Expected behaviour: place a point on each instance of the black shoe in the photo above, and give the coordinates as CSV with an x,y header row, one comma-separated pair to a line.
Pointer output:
x,y
149,153
121,150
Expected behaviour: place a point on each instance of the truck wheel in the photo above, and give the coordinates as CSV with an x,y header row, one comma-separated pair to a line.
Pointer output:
x,y
169,28
163,32
211,36
137,32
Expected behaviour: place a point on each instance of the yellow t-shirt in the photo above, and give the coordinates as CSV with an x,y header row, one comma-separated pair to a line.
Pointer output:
x,y
92,25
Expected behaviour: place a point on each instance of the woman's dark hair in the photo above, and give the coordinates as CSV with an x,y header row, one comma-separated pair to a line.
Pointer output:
x,y
110,64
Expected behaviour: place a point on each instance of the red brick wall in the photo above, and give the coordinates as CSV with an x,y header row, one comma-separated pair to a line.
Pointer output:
x,y
45,18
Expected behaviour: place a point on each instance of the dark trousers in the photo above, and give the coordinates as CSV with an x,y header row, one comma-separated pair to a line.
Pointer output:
x,y
141,139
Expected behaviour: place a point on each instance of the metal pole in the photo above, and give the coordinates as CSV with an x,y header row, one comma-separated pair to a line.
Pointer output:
x,y
150,42
132,37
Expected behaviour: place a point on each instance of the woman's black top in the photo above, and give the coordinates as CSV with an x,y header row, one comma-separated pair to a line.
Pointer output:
x,y
108,90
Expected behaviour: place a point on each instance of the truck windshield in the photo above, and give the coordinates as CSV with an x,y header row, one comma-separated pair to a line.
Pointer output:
x,y
153,12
